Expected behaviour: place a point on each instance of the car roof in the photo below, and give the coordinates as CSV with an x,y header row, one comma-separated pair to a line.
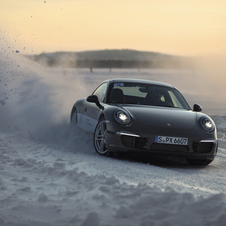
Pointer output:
x,y
120,80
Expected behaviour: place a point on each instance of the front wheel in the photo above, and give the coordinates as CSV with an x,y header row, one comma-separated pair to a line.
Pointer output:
x,y
100,138
204,162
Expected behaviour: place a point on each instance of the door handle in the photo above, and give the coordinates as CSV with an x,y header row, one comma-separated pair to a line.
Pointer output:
x,y
85,108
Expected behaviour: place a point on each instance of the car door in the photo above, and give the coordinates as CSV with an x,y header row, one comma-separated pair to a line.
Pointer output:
x,y
92,111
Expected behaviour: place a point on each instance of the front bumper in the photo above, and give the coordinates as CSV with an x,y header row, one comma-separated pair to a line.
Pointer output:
x,y
200,145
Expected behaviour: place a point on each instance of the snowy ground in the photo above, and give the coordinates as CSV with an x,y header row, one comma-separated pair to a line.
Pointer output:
x,y
51,175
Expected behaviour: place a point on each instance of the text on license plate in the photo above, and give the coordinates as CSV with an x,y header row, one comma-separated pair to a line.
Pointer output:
x,y
171,140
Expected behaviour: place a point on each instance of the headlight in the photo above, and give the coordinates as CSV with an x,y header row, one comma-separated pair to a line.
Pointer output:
x,y
207,124
122,117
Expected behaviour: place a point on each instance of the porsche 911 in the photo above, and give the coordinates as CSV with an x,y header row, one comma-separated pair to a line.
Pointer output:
x,y
143,117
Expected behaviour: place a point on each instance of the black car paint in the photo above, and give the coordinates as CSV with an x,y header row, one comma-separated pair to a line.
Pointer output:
x,y
149,121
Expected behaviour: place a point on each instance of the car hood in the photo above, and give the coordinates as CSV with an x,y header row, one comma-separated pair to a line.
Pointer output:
x,y
163,117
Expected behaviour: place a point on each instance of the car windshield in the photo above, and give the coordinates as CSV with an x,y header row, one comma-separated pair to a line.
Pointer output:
x,y
146,94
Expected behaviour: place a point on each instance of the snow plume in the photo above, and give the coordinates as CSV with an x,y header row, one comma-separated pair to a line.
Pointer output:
x,y
36,100
60,59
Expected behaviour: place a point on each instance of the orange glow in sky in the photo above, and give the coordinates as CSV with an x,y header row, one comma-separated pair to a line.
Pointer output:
x,y
182,27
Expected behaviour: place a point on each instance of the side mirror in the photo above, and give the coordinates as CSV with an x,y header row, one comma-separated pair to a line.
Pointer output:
x,y
197,108
94,99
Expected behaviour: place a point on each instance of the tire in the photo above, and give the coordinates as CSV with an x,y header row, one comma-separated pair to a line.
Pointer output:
x,y
203,162
74,118
100,138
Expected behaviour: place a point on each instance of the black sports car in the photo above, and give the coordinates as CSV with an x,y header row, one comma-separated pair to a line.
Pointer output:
x,y
146,117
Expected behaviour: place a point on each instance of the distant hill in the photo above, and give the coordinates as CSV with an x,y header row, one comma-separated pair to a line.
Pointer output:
x,y
124,58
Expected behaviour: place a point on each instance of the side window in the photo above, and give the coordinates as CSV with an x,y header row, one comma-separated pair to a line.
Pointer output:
x,y
100,92
162,98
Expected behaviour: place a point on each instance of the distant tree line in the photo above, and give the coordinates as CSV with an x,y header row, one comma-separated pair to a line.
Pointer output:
x,y
132,64
78,60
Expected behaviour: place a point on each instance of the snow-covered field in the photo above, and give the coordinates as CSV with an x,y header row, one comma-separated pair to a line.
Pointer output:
x,y
51,175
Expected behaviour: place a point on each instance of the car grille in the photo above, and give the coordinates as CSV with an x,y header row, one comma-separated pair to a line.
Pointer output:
x,y
204,147
169,147
133,142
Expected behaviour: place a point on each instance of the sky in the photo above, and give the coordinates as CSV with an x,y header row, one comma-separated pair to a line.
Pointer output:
x,y
181,27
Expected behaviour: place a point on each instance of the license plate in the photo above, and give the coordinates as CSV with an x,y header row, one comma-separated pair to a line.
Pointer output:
x,y
171,140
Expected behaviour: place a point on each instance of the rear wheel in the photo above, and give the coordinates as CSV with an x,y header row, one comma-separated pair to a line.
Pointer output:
x,y
74,118
100,138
